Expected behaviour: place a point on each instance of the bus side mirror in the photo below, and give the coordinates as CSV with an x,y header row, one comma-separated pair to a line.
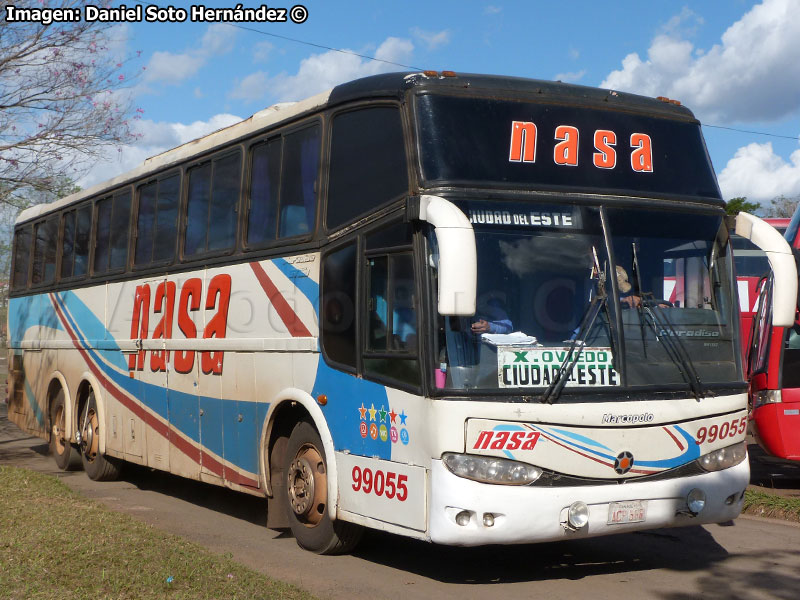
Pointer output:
x,y
781,260
458,260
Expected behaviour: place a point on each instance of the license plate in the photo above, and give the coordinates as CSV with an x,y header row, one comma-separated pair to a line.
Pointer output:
x,y
633,511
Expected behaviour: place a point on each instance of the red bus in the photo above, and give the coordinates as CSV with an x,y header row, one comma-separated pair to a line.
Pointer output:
x,y
772,354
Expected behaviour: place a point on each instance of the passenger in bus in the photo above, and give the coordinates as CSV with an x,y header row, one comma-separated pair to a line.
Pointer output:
x,y
625,289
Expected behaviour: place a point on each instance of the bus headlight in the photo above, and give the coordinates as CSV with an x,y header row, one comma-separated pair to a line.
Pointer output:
x,y
488,469
724,458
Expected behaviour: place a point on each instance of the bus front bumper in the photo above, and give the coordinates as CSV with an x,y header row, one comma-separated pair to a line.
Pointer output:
x,y
500,514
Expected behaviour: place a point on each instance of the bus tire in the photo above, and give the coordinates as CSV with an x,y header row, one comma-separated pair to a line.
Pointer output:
x,y
307,496
66,456
97,466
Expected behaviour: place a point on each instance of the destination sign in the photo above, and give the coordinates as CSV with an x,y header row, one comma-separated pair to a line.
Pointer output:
x,y
539,366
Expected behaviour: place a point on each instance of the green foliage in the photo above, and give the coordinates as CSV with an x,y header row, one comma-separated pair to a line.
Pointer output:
x,y
763,504
740,204
56,544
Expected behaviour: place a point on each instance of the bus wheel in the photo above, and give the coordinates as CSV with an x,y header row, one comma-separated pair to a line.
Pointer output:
x,y
67,457
97,466
307,495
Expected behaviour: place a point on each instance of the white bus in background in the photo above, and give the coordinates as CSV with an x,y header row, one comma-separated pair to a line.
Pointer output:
x,y
426,303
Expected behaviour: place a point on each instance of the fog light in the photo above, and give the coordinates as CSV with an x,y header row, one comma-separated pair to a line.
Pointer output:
x,y
462,518
696,501
731,499
488,520
578,515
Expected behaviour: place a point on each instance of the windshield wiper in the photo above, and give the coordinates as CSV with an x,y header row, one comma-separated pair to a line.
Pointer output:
x,y
600,300
669,337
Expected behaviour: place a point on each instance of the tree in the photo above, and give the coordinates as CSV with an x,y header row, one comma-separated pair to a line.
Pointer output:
x,y
62,101
740,204
782,206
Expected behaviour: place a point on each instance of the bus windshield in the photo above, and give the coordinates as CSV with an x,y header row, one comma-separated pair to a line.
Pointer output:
x,y
666,300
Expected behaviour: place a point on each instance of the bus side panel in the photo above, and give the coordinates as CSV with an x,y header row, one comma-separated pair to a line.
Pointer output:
x,y
33,332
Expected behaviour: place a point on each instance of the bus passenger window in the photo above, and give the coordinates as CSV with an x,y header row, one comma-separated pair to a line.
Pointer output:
x,y
299,173
144,224
120,224
339,305
44,252
264,179
197,209
101,235
83,235
22,257
68,245
166,218
157,221
368,163
213,205
224,202
111,232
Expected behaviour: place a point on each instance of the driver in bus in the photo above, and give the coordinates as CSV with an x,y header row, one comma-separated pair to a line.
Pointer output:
x,y
492,319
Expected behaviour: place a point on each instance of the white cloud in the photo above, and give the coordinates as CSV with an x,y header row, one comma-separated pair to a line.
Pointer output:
x,y
171,68
493,9
320,72
686,21
261,51
758,173
753,74
571,77
432,39
218,39
156,137
253,87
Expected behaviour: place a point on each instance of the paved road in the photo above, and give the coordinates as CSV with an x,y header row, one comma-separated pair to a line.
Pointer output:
x,y
753,558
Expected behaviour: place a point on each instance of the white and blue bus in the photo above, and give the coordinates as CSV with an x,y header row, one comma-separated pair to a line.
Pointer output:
x,y
465,309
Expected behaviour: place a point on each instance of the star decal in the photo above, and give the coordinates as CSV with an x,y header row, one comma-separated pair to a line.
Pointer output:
x,y
383,414
372,412
363,412
403,417
393,416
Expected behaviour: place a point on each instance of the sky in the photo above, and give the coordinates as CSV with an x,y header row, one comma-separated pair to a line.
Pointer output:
x,y
735,64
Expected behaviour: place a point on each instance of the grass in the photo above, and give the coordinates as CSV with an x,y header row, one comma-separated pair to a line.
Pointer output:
x,y
56,544
763,504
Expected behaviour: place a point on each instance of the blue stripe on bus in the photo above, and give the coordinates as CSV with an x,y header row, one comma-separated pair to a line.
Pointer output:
x,y
307,286
346,393
37,410
27,312
692,452
582,438
180,409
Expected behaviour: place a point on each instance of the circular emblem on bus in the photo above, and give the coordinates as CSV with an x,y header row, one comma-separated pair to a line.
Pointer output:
x,y
623,463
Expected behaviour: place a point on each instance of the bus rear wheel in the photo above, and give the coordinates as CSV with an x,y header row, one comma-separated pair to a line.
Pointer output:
x,y
307,496
67,458
97,466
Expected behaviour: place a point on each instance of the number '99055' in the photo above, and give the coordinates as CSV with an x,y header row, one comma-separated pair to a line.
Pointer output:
x,y
388,484
720,432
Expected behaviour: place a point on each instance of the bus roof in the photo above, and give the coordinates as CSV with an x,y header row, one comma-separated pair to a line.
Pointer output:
x,y
385,85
